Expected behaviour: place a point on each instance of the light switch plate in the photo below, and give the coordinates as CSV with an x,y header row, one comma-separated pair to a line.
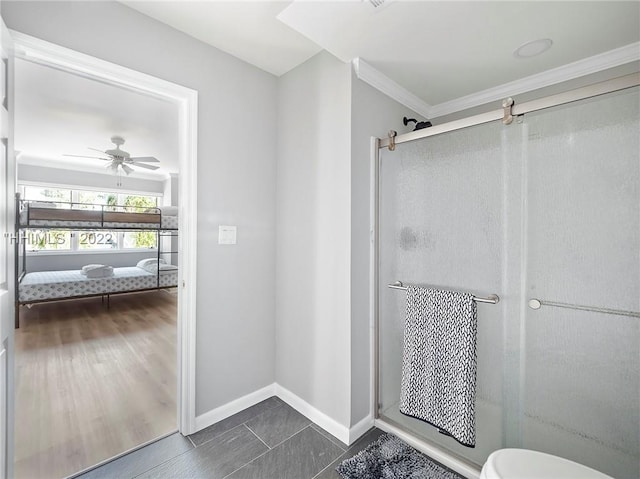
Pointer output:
x,y
227,234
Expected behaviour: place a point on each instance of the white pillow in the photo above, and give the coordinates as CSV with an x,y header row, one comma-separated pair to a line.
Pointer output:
x,y
168,267
153,268
164,268
169,210
143,263
90,267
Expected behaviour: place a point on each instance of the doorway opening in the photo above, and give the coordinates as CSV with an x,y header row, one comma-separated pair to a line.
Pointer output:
x,y
129,350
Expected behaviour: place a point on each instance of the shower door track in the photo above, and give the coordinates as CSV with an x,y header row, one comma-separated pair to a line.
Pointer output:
x,y
437,452
589,91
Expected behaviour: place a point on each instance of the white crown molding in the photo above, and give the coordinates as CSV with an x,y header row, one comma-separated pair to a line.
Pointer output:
x,y
603,61
386,85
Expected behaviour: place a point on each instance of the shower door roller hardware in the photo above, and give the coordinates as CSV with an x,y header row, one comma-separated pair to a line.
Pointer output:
x,y
535,303
507,105
392,140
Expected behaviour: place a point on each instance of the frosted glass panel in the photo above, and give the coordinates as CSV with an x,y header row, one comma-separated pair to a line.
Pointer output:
x,y
582,390
441,224
548,208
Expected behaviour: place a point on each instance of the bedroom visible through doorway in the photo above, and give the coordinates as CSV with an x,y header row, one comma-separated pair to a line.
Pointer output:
x,y
97,368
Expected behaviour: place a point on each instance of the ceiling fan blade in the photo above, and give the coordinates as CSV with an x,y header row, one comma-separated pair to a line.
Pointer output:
x,y
127,169
95,149
146,159
144,165
91,157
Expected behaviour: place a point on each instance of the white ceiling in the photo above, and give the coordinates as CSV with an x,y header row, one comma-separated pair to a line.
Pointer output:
x,y
436,50
60,113
443,50
246,29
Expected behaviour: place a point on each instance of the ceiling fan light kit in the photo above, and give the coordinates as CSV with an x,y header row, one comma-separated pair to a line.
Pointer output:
x,y
121,160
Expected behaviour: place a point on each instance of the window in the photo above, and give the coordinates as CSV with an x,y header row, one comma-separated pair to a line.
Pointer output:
x,y
48,240
85,240
93,199
38,193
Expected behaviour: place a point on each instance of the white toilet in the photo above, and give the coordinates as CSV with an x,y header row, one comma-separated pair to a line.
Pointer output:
x,y
527,464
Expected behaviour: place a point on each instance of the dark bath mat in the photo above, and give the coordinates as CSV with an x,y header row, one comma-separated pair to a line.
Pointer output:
x,y
391,458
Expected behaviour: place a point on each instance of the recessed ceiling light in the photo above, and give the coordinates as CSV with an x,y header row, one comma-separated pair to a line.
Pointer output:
x,y
533,48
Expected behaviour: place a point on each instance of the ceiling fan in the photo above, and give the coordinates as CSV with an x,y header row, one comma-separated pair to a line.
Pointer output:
x,y
120,159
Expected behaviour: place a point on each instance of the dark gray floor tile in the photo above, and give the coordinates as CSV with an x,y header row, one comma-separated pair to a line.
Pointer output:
x,y
330,436
229,423
277,424
143,459
214,459
330,471
300,457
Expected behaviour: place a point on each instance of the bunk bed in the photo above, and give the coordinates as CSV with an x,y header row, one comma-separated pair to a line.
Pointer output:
x,y
42,215
45,286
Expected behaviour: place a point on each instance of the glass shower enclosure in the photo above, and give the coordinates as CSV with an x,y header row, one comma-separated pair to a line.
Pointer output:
x,y
545,213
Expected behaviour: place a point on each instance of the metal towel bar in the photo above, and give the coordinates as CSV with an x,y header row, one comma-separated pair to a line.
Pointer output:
x,y
535,303
493,299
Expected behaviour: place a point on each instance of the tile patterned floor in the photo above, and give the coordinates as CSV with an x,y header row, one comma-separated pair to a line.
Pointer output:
x,y
269,440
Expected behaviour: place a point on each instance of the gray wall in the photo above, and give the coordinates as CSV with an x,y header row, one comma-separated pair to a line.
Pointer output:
x,y
313,205
326,120
236,177
372,114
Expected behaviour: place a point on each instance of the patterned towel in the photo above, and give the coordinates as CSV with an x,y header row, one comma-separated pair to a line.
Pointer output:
x,y
439,361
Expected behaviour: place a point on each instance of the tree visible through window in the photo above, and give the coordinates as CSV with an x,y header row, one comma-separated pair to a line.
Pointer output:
x,y
139,239
48,240
60,196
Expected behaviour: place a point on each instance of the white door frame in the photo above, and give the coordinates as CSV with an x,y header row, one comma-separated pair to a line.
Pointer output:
x,y
39,51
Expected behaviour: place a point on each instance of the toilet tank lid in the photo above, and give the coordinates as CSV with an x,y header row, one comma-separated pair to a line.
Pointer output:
x,y
527,464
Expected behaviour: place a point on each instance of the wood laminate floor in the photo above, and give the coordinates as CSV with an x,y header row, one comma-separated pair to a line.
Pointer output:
x,y
92,382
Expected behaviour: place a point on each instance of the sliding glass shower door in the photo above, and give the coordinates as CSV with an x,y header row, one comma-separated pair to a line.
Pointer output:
x,y
441,223
581,395
546,209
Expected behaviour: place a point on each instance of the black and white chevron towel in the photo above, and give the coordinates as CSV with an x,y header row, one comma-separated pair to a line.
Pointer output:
x,y
439,361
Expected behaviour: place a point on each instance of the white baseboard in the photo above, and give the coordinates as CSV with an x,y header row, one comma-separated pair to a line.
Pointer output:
x,y
233,407
346,435
321,419
360,428
343,433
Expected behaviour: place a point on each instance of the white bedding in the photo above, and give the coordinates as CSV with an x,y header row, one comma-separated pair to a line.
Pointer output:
x,y
45,285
